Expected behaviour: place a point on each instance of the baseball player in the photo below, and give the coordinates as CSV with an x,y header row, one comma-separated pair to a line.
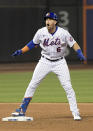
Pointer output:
x,y
53,41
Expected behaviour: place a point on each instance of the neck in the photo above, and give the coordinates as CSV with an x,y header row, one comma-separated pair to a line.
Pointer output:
x,y
52,30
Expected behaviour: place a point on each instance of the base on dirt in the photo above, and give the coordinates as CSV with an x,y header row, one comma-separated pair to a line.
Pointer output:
x,y
19,118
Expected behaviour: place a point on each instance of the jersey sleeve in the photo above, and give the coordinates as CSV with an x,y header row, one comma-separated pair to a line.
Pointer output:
x,y
69,39
36,37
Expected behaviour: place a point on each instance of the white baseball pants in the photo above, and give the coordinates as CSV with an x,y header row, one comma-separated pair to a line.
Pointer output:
x,y
60,68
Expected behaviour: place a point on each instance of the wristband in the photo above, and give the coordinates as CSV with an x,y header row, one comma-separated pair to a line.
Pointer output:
x,y
80,55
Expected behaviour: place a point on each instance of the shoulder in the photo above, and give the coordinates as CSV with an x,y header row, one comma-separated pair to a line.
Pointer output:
x,y
62,30
42,31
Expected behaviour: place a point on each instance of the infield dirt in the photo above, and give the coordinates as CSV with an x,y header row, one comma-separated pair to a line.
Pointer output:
x,y
48,117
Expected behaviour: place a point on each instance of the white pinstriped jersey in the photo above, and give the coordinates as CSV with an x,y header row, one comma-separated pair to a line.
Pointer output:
x,y
53,46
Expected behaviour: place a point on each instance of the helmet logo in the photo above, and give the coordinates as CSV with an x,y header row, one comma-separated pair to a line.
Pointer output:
x,y
48,14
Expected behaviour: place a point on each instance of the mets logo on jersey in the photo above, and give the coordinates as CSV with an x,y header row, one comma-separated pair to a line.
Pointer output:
x,y
71,39
55,42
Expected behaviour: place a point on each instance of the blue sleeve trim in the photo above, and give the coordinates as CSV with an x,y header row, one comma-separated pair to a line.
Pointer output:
x,y
79,51
80,55
31,45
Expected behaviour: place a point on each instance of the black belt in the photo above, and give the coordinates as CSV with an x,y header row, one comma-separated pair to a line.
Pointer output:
x,y
52,60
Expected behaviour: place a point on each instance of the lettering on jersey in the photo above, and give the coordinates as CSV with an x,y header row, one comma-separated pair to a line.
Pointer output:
x,y
71,38
56,42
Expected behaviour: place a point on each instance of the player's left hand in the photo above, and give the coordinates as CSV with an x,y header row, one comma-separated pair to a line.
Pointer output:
x,y
80,55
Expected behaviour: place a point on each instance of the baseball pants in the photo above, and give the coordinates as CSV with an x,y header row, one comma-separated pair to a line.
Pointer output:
x,y
60,68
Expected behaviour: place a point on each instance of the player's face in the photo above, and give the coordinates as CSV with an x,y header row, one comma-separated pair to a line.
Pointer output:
x,y
50,23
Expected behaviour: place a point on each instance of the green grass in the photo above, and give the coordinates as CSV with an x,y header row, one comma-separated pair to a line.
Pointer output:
x,y
13,86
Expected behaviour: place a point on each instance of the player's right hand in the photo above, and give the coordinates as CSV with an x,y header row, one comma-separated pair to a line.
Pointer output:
x,y
16,53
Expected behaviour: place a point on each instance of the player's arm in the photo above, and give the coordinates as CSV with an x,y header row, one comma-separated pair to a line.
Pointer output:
x,y
78,50
29,46
25,49
76,46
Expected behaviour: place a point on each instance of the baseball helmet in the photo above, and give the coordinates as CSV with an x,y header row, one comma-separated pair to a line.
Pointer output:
x,y
51,15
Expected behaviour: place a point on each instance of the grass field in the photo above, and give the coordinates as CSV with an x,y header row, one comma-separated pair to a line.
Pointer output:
x,y
13,86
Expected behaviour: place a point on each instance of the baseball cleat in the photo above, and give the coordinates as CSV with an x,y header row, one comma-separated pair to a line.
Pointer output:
x,y
18,112
76,116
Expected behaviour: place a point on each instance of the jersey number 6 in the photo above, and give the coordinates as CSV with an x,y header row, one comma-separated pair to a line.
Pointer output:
x,y
58,49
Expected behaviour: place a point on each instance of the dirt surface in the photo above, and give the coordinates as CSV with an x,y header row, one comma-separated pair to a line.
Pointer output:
x,y
13,67
48,117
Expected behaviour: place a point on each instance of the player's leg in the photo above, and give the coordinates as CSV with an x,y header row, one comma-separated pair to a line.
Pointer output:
x,y
62,72
41,70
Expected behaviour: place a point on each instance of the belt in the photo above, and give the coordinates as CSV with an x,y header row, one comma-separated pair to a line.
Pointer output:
x,y
52,60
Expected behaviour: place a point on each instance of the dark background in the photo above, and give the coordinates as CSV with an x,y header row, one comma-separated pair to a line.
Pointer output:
x,y
20,19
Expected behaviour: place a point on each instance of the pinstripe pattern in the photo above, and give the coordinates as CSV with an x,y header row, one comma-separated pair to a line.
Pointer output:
x,y
60,68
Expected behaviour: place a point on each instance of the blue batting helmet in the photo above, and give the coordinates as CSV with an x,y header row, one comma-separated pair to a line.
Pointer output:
x,y
51,15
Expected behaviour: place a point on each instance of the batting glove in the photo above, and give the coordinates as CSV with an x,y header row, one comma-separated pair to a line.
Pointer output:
x,y
80,55
16,53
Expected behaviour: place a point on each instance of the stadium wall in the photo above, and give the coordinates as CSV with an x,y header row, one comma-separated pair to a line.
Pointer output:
x,y
20,19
